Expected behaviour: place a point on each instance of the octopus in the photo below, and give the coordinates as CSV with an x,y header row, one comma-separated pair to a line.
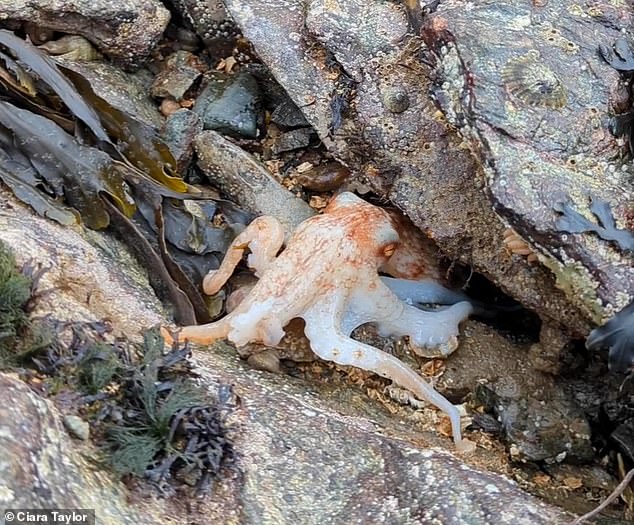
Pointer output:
x,y
329,275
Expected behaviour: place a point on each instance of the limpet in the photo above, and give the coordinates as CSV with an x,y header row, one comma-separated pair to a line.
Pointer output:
x,y
395,101
534,83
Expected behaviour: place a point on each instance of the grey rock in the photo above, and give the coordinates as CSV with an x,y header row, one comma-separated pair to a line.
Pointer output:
x,y
292,140
177,75
77,427
231,105
539,419
247,182
126,91
288,115
41,467
180,129
83,280
125,31
544,146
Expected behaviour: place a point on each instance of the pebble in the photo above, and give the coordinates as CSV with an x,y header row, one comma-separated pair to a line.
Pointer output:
x,y
77,427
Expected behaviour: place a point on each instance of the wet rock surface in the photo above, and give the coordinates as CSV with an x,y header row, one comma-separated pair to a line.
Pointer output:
x,y
538,118
392,133
126,31
231,105
399,112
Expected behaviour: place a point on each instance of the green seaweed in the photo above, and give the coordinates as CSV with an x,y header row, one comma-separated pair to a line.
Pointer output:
x,y
15,293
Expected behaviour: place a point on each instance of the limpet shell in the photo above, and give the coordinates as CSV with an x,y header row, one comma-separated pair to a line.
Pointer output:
x,y
395,101
533,83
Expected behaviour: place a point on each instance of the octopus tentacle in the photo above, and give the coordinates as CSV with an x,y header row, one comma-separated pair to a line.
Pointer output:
x,y
204,334
423,291
343,350
264,237
431,334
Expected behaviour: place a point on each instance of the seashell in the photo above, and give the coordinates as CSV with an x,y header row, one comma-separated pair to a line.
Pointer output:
x,y
534,83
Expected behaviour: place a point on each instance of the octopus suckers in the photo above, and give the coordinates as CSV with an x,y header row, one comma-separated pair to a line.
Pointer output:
x,y
527,79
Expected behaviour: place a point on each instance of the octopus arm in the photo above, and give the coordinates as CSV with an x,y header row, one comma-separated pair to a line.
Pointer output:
x,y
330,343
264,237
424,291
431,334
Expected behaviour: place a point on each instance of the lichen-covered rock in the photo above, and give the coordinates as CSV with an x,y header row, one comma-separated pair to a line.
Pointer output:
x,y
126,30
368,89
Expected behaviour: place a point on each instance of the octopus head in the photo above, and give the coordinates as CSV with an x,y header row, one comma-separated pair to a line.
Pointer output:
x,y
369,228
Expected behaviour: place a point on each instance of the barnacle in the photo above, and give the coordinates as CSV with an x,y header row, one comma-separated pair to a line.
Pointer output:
x,y
534,83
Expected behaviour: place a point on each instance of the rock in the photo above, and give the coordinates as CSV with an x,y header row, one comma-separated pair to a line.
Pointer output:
x,y
288,115
247,182
125,91
542,106
231,105
395,135
83,280
210,21
126,32
304,455
41,467
177,75
539,419
292,140
77,427
324,177
180,129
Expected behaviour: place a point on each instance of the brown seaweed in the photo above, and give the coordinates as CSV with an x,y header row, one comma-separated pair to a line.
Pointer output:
x,y
617,335
82,172
47,70
572,221
68,153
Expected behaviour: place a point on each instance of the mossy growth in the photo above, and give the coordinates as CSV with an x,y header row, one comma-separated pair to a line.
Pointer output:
x,y
18,336
15,292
